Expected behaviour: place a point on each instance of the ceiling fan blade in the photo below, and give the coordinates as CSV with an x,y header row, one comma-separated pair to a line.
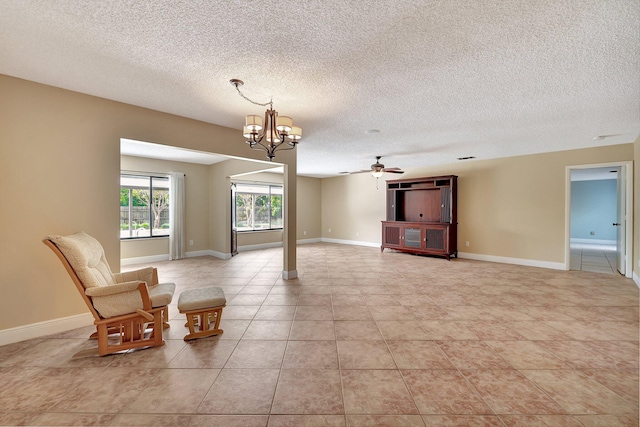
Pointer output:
x,y
393,171
362,171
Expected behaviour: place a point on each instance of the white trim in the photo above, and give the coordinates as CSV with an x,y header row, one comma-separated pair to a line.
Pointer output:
x,y
245,248
306,241
144,259
479,257
165,257
351,242
209,252
288,275
636,279
593,241
627,169
40,329
215,254
509,260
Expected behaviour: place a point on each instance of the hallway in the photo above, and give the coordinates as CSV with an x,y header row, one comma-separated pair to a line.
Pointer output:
x,y
595,258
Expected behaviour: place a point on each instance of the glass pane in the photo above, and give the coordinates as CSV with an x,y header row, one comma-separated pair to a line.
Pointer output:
x,y
160,206
244,211
412,237
125,221
261,212
258,207
137,213
276,210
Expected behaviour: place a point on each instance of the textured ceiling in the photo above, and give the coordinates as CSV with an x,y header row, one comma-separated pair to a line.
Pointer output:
x,y
439,79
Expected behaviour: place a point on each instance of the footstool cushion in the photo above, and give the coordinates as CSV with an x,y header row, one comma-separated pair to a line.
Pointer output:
x,y
203,308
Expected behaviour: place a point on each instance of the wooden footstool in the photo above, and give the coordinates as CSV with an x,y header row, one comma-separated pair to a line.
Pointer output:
x,y
203,308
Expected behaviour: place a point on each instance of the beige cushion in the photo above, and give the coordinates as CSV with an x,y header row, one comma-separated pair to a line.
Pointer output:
x,y
143,274
195,299
161,294
86,256
117,304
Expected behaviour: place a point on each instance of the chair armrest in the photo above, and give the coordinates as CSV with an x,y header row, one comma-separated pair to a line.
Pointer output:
x,y
148,275
118,288
121,298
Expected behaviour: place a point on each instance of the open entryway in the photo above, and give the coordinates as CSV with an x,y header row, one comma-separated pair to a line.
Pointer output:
x,y
599,212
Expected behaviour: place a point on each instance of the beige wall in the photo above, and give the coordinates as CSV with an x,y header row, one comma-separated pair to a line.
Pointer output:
x,y
511,207
60,163
352,208
309,208
196,186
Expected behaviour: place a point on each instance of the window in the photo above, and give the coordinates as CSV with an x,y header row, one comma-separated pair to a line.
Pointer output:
x,y
144,206
258,207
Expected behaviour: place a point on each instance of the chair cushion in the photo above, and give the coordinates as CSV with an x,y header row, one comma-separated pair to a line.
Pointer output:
x,y
161,294
86,257
195,299
118,304
143,274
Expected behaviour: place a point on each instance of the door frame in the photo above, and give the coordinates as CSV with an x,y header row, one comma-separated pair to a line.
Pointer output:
x,y
626,169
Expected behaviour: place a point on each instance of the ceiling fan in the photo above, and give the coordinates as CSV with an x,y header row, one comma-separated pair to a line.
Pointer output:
x,y
378,169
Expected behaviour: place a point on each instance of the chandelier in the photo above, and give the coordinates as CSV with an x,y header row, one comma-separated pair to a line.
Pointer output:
x,y
275,133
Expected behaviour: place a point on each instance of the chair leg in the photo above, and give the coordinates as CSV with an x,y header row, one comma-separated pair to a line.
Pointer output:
x,y
103,340
207,322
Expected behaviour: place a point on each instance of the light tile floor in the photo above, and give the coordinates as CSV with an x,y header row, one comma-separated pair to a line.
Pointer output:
x,y
363,338
595,258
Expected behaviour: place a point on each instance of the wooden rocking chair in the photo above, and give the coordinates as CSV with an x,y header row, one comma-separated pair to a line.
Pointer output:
x,y
130,309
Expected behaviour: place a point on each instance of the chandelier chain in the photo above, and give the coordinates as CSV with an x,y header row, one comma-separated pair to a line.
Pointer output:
x,y
270,103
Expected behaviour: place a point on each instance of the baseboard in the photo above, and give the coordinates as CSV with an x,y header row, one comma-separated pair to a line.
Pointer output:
x,y
41,329
246,248
351,242
288,275
307,241
158,258
594,241
516,261
144,259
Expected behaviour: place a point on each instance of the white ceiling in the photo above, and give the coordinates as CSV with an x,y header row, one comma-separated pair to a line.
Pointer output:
x,y
439,79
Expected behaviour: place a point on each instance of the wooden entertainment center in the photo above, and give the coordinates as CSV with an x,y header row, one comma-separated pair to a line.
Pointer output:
x,y
422,216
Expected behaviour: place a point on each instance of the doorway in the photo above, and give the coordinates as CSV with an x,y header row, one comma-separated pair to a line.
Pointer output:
x,y
599,218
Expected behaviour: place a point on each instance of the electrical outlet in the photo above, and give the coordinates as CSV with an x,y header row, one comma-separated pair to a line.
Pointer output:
x,y
329,230
304,232
190,242
593,233
467,243
357,234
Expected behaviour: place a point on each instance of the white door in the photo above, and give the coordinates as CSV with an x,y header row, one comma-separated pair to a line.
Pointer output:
x,y
620,224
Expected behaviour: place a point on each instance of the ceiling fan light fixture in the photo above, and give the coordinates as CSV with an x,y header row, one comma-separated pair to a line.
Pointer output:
x,y
377,173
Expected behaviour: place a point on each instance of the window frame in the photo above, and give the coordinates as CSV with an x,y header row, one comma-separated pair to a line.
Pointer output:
x,y
269,185
151,216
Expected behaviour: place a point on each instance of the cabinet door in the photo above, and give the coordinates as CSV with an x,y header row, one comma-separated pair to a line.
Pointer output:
x,y
436,238
412,237
391,235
